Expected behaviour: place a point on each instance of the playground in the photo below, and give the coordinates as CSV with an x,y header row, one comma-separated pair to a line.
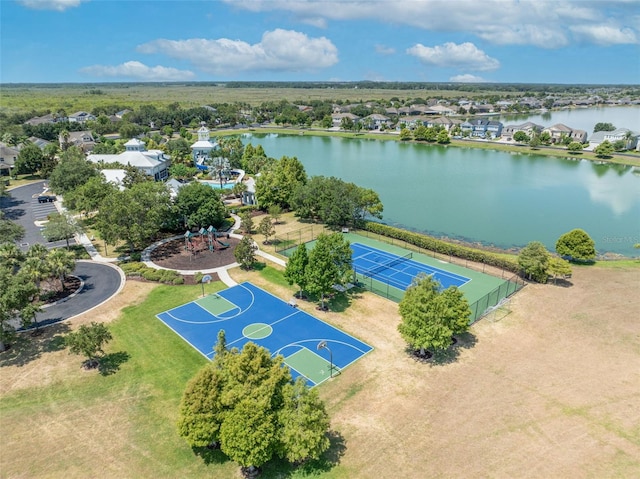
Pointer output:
x,y
195,252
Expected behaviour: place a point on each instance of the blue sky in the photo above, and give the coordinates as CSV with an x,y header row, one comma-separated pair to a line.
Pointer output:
x,y
506,41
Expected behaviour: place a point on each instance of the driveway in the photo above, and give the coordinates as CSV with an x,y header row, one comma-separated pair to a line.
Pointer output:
x,y
101,282
22,207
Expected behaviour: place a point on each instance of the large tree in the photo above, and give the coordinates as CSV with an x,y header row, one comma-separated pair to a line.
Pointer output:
x,y
246,403
16,297
534,261
29,159
430,317
61,226
576,245
277,185
296,269
329,264
604,149
9,230
72,171
134,215
266,228
199,205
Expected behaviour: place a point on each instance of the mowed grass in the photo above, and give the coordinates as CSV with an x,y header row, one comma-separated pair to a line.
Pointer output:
x,y
119,425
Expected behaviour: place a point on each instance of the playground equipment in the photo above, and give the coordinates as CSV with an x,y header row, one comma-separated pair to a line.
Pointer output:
x,y
204,239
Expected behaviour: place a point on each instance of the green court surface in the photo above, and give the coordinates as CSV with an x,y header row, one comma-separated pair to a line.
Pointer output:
x,y
215,304
310,365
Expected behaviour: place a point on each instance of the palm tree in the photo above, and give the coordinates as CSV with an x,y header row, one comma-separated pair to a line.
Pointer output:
x,y
38,251
36,269
61,262
11,256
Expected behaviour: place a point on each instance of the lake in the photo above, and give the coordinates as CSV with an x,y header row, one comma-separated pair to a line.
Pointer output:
x,y
583,118
490,197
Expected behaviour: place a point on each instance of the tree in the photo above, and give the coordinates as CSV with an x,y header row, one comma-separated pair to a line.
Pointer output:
x,y
545,138
89,196
245,253
577,245
29,159
304,421
604,149
246,222
246,402
182,172
10,231
575,146
521,137
534,261
329,264
601,126
535,141
405,134
134,215
88,341
199,205
61,226
132,176
430,317
275,211
443,137
61,263
72,171
266,228
558,267
16,295
277,185
296,269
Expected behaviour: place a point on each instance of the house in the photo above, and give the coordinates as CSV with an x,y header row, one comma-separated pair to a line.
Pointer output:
x,y
8,157
559,131
81,117
39,142
528,127
337,118
412,122
442,121
82,139
153,163
629,137
442,110
50,118
482,128
376,121
120,114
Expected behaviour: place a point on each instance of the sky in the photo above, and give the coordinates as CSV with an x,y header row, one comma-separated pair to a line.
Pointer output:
x,y
497,41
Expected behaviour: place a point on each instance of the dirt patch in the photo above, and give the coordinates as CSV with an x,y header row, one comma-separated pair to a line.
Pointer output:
x,y
70,285
173,255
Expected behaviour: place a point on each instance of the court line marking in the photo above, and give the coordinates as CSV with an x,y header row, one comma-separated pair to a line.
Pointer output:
x,y
268,324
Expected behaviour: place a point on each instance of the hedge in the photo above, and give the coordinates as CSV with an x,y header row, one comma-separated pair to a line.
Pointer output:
x,y
167,276
443,247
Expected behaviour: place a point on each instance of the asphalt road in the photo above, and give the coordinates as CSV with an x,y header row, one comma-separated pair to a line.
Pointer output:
x,y
101,281
22,207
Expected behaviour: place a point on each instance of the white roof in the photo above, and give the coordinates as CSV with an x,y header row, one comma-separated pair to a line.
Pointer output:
x,y
204,144
114,176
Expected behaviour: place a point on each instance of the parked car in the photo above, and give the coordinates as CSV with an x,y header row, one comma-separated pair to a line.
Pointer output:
x,y
46,199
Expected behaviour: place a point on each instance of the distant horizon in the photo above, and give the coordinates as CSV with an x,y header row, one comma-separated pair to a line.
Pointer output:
x,y
571,42
293,82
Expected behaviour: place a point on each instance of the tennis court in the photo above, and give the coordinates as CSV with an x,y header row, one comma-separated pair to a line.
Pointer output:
x,y
248,313
398,271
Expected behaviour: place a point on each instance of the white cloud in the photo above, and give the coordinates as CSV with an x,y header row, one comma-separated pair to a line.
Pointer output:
x,y
279,50
543,23
59,5
604,34
139,71
384,50
451,55
467,78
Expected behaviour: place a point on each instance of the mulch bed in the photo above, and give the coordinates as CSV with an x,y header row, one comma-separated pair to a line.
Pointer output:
x,y
172,255
71,285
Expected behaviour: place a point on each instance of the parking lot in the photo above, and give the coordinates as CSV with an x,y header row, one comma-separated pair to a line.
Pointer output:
x,y
23,207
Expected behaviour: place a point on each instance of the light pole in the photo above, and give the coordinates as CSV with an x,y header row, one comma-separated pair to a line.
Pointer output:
x,y
323,345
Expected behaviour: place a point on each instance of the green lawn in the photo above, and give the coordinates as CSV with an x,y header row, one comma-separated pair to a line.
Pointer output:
x,y
129,414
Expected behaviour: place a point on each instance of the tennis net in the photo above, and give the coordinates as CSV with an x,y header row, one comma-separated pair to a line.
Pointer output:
x,y
373,271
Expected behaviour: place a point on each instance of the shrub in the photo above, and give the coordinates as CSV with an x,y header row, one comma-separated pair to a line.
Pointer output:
x,y
178,280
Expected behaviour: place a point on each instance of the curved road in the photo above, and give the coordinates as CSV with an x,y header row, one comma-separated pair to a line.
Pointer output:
x,y
101,282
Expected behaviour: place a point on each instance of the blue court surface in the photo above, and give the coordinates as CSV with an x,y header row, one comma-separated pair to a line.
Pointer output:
x,y
248,313
397,271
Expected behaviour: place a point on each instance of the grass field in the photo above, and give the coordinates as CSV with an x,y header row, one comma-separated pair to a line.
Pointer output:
x,y
551,390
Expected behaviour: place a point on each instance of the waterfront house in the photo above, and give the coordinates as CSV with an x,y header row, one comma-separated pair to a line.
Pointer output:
x,y
559,131
482,128
629,137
